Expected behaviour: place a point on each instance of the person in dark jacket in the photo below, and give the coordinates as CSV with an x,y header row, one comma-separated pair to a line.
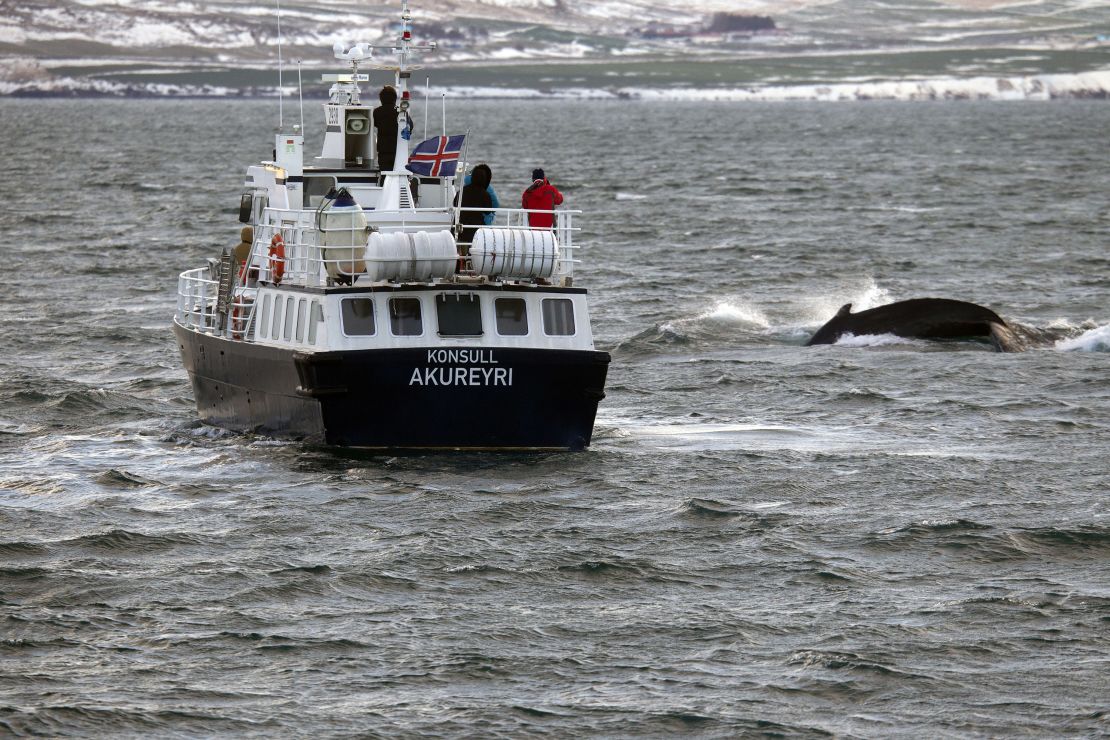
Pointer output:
x,y
494,200
541,195
385,121
474,195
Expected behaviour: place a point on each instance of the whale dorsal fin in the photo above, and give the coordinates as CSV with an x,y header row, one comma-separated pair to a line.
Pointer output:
x,y
844,310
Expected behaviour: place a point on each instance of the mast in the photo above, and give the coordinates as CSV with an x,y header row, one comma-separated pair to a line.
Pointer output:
x,y
401,74
281,92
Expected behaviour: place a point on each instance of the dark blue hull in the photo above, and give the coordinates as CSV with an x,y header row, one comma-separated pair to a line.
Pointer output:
x,y
403,399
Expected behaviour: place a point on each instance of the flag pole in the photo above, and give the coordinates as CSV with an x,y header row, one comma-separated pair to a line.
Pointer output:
x,y
427,100
466,143
458,208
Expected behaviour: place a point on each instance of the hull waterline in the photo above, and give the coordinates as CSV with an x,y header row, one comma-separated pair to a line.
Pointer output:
x,y
398,399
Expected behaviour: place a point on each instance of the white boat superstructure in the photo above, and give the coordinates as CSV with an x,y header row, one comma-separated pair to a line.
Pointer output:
x,y
363,277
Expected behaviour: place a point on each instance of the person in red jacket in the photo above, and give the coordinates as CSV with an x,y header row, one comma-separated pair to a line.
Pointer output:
x,y
541,195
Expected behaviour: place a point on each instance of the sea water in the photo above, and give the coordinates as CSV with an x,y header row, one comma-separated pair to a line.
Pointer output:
x,y
879,537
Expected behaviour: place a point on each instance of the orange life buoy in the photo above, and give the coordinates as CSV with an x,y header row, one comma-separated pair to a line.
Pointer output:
x,y
277,259
239,317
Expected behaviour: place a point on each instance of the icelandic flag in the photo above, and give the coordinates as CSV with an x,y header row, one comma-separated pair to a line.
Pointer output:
x,y
437,156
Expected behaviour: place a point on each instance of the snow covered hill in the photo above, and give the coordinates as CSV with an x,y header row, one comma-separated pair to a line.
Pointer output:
x,y
622,48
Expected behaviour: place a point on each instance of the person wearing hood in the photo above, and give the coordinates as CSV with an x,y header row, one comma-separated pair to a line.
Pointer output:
x,y
242,250
494,200
385,121
475,195
541,195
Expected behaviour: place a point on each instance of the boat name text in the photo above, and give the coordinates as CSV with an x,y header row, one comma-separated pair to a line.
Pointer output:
x,y
471,376
461,357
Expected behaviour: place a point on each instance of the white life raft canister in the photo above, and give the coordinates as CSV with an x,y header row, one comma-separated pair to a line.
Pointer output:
x,y
411,257
514,253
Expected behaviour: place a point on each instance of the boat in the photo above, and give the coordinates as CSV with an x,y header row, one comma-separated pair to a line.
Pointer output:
x,y
359,316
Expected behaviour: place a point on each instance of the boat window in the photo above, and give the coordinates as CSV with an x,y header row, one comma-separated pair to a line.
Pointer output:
x,y
404,317
302,306
558,317
260,203
264,322
275,328
512,317
287,333
245,204
315,318
459,314
358,317
315,188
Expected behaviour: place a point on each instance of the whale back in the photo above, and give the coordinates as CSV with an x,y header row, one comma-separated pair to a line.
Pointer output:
x,y
833,328
923,318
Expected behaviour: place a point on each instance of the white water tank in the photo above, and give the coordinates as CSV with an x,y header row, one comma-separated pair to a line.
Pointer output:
x,y
514,253
411,257
343,230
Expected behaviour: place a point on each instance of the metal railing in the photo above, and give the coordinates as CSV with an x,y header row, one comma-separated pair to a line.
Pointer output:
x,y
196,300
198,305
301,259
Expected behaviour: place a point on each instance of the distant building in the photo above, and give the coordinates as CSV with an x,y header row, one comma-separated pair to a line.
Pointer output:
x,y
734,23
721,24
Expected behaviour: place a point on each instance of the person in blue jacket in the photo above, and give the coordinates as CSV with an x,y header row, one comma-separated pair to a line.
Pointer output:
x,y
488,217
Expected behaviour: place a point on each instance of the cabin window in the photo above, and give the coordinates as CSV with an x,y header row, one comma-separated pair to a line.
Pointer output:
x,y
404,317
358,317
288,332
512,317
264,321
275,328
558,317
459,314
246,203
315,188
260,203
315,318
302,306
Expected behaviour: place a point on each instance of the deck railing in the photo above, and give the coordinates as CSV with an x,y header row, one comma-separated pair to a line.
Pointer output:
x,y
197,292
198,304
304,261
198,299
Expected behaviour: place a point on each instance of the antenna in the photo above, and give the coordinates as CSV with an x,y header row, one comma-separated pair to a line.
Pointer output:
x,y
281,109
443,107
300,93
427,92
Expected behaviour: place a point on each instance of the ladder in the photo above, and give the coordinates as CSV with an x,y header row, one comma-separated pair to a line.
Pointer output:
x,y
223,296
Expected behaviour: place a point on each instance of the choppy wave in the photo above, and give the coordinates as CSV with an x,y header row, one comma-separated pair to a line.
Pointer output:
x,y
758,530
1093,340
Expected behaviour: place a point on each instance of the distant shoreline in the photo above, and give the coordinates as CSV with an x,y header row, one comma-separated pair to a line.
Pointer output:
x,y
1031,90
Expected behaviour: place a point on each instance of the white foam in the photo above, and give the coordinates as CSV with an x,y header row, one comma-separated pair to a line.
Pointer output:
x,y
630,196
724,312
1095,340
727,312
869,340
863,297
